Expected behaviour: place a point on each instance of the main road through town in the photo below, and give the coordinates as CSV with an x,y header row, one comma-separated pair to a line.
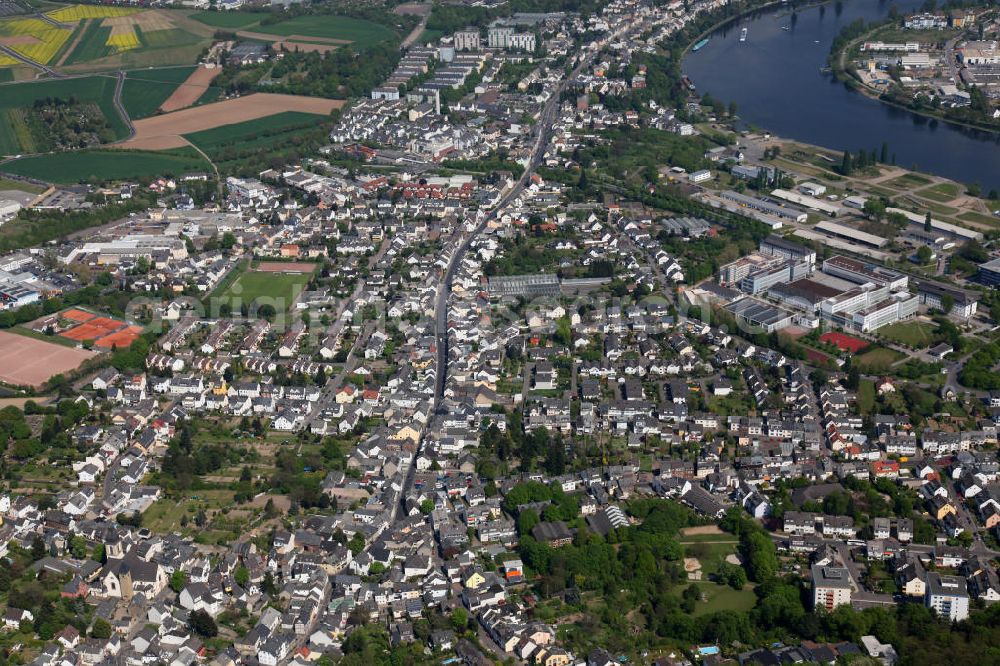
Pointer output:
x,y
545,120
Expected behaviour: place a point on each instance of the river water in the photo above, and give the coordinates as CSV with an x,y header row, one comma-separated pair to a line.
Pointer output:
x,y
775,79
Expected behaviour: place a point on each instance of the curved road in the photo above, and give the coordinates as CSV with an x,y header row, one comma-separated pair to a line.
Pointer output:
x,y
119,85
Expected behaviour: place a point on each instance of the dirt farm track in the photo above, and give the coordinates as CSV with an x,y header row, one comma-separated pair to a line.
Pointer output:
x,y
191,90
167,130
26,361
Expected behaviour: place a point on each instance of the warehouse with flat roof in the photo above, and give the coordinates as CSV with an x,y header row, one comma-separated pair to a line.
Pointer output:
x,y
759,314
852,234
763,206
810,203
944,227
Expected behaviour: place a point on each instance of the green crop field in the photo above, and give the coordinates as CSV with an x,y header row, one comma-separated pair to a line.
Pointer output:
x,y
145,90
92,45
275,289
85,165
167,39
16,99
252,132
360,32
230,20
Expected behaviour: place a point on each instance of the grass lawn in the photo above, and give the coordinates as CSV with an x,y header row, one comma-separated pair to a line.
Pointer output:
x,y
360,32
723,538
145,90
946,190
866,396
164,516
721,598
710,553
980,218
275,289
8,184
881,191
100,165
737,402
230,20
908,181
915,334
877,360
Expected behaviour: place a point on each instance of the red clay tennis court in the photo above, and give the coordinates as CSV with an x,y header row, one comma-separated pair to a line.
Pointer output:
x,y
846,342
121,339
78,316
84,332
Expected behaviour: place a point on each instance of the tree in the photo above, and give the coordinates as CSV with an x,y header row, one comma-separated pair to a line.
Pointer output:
x,y
178,580
733,575
924,254
203,624
270,511
426,506
356,544
847,164
927,222
947,303
38,550
78,547
874,208
242,576
100,629
460,619
268,585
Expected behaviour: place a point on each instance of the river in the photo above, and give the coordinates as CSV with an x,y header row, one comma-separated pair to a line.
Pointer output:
x,y
775,79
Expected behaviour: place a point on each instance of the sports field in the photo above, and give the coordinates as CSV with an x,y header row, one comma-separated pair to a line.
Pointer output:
x,y
298,267
27,361
916,334
263,288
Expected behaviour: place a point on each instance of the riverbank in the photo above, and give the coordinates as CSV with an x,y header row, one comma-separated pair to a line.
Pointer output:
x,y
773,80
722,23
847,75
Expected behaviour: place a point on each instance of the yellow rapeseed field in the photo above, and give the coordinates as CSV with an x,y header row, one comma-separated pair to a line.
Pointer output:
x,y
49,39
75,13
123,41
